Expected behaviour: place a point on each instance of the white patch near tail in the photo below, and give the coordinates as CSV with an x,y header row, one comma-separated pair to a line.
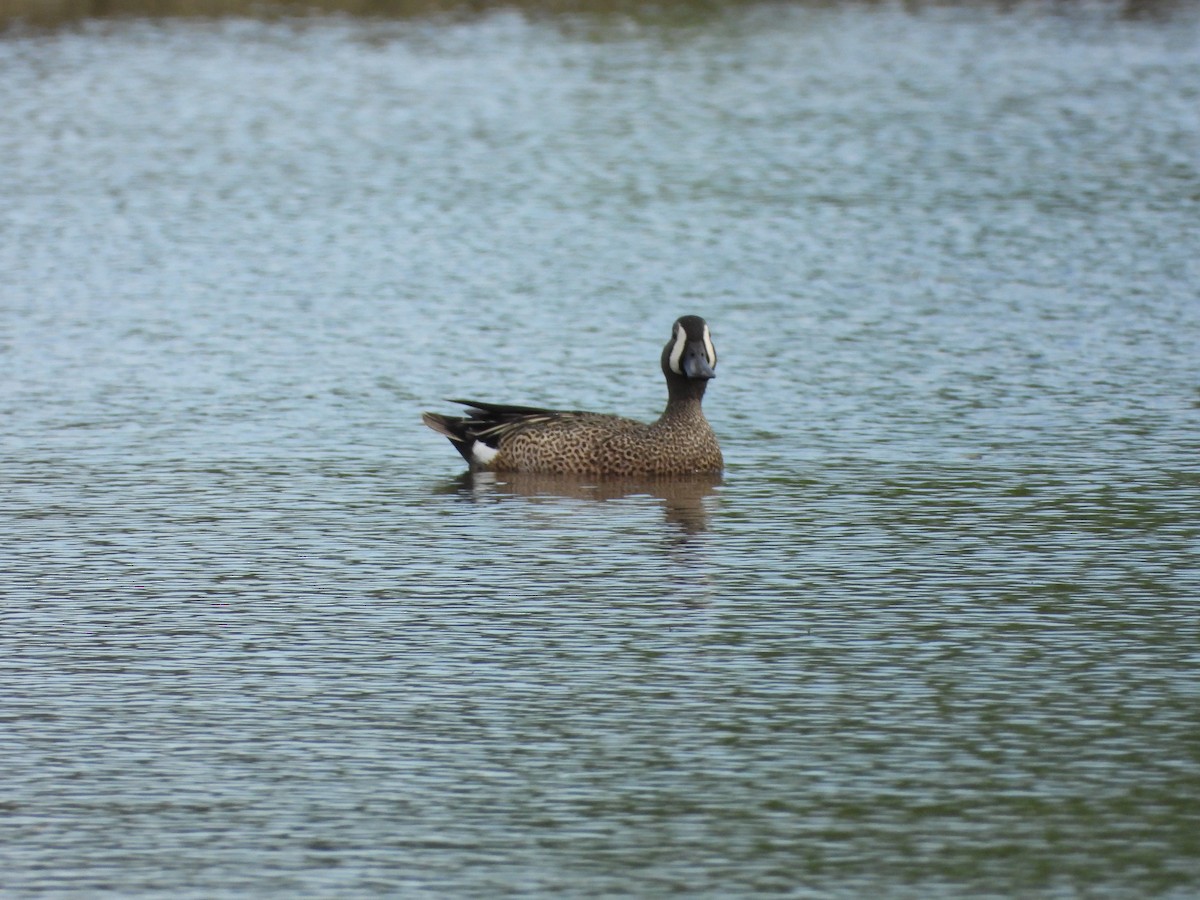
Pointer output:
x,y
677,349
482,454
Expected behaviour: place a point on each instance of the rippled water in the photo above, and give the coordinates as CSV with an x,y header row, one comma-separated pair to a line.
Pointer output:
x,y
935,633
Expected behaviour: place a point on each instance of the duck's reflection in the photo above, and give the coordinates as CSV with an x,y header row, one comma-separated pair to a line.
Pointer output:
x,y
682,498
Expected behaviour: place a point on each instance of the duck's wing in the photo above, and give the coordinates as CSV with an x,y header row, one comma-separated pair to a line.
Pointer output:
x,y
490,422
505,411
478,434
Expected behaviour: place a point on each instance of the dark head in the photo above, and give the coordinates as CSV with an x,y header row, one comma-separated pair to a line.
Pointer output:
x,y
689,358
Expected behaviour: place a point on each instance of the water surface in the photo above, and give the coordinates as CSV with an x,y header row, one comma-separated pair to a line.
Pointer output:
x,y
935,632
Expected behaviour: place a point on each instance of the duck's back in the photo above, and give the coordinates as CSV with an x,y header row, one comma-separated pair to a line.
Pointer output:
x,y
575,443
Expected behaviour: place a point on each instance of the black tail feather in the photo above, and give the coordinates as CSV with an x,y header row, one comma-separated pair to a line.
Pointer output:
x,y
454,428
504,410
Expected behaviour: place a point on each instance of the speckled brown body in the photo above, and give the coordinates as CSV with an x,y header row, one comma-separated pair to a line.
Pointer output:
x,y
593,444
501,438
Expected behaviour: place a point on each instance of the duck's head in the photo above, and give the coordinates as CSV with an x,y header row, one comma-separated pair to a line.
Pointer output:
x,y
690,354
690,351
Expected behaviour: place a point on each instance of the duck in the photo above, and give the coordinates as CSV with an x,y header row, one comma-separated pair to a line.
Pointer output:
x,y
496,437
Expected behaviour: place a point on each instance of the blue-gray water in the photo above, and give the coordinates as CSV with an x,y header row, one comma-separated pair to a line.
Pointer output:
x,y
936,634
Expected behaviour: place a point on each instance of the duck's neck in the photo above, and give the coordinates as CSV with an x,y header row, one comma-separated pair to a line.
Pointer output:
x,y
683,396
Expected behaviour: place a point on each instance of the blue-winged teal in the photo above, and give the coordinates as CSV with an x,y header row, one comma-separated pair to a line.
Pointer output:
x,y
497,438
